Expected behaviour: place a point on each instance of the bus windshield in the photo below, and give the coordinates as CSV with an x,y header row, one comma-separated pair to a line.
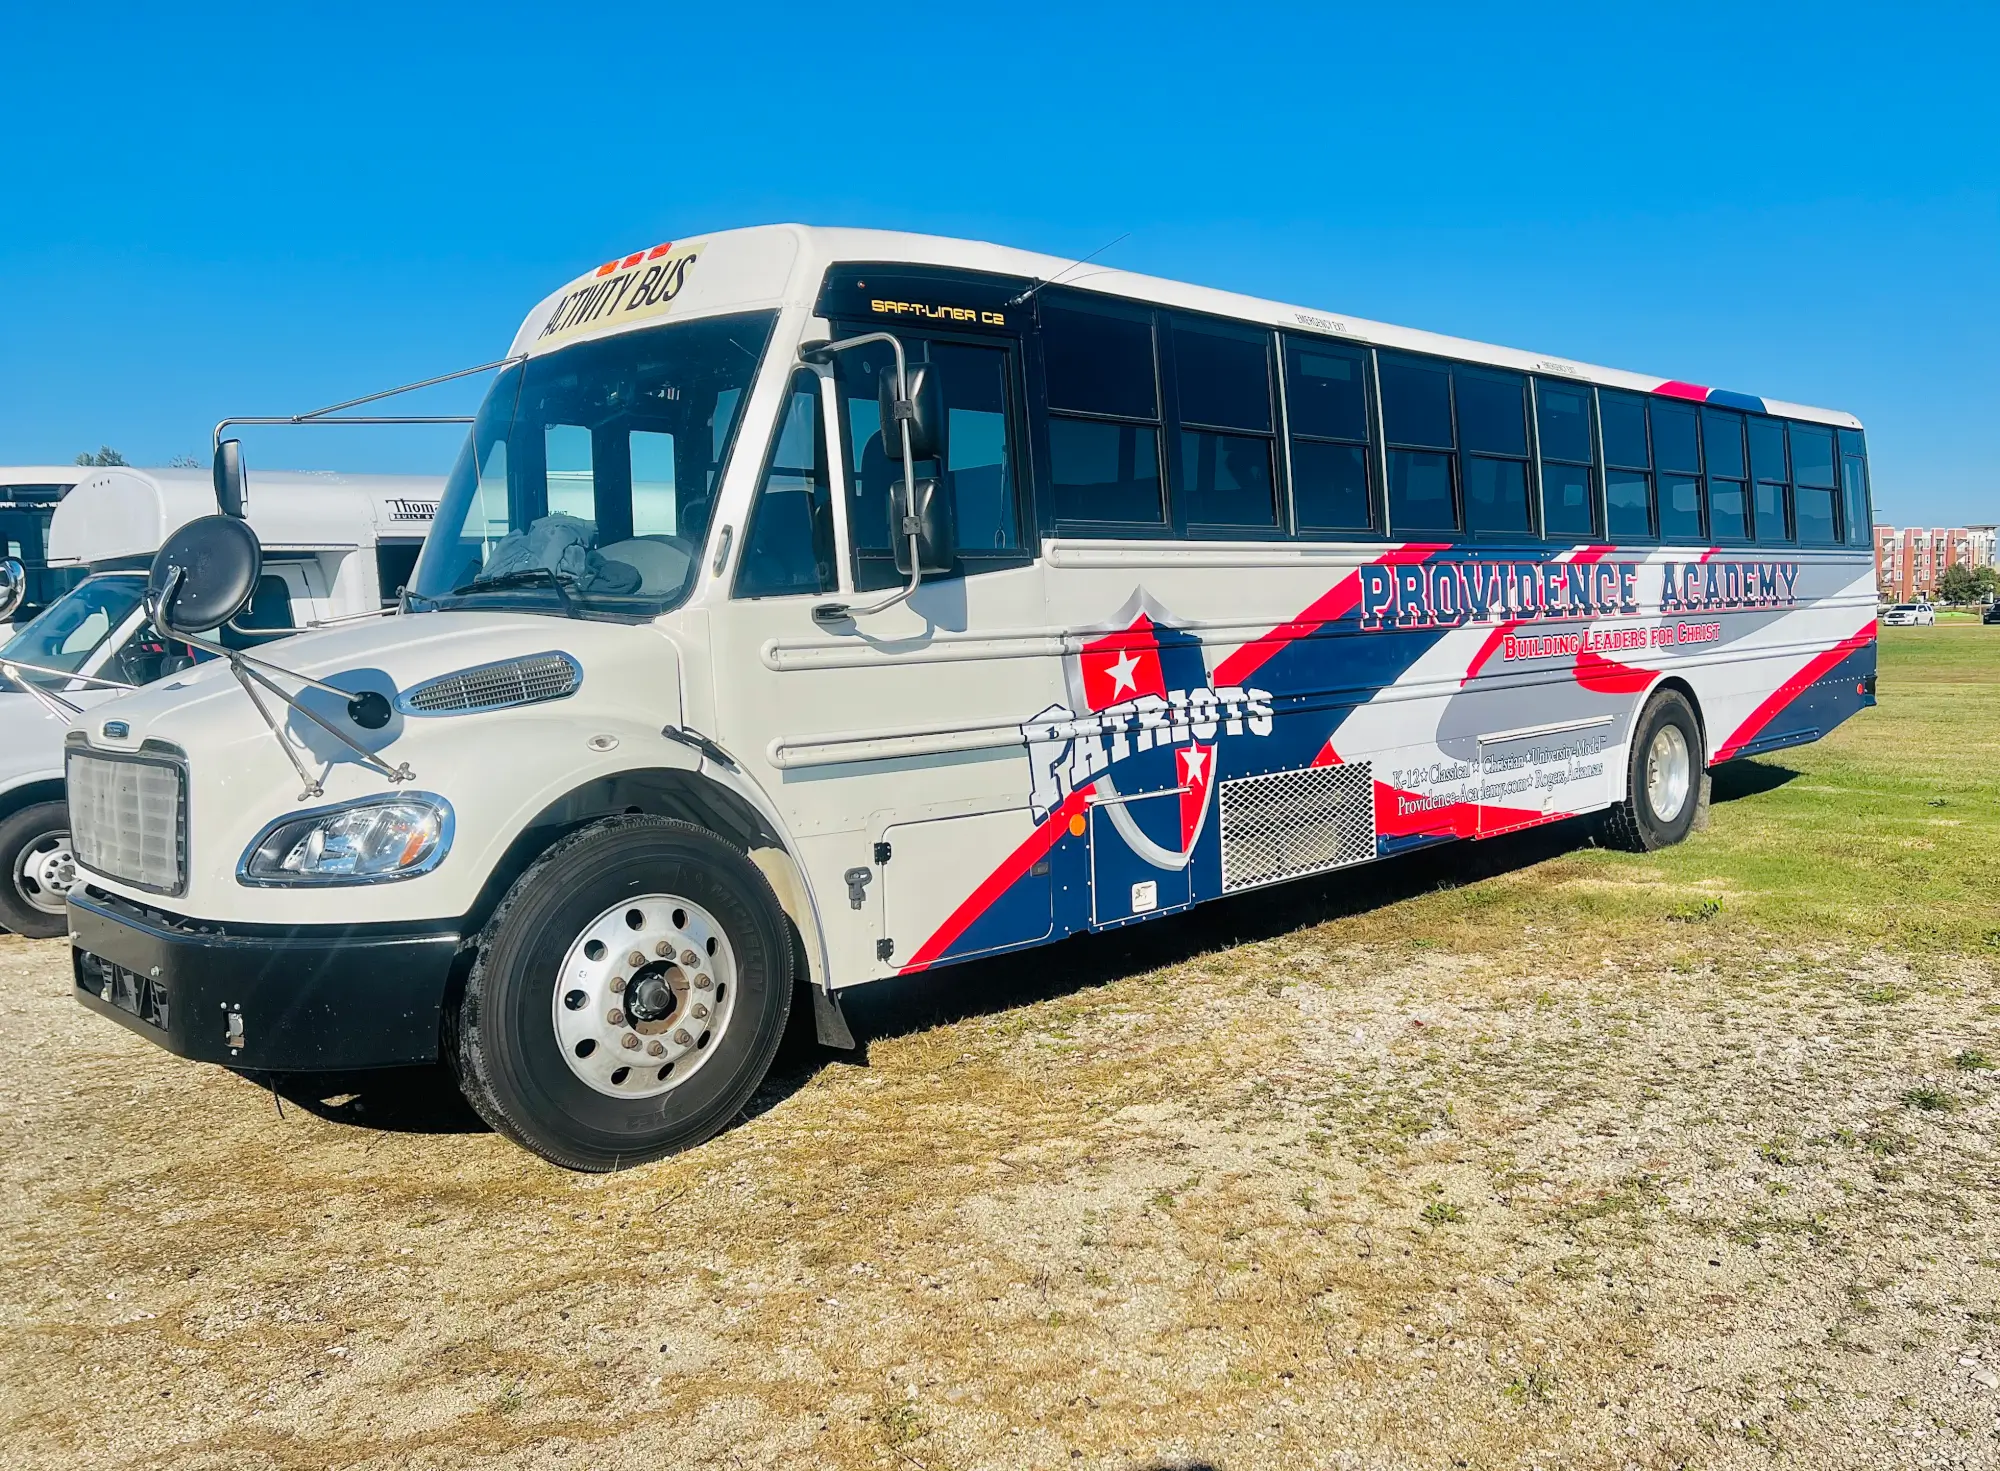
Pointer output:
x,y
587,482
66,633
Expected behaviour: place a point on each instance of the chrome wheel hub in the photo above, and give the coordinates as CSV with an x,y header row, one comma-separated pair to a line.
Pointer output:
x,y
644,994
46,872
1669,773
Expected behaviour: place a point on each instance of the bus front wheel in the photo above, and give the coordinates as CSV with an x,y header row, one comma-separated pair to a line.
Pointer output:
x,y
1663,779
627,996
37,870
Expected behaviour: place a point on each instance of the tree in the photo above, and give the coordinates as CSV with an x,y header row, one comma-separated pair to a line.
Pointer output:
x,y
105,455
1958,585
1988,579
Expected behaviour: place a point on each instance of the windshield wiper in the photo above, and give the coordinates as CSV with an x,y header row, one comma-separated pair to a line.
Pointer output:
x,y
526,577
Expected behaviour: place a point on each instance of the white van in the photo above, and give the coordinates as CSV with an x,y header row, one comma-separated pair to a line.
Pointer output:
x,y
338,545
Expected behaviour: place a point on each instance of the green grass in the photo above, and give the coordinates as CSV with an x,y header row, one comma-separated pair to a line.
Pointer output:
x,y
1885,833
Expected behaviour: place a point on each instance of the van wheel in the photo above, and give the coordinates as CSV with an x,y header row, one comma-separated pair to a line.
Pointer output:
x,y
37,869
626,998
1663,780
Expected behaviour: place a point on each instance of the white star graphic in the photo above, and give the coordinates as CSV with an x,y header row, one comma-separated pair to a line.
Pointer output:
x,y
1122,673
1194,762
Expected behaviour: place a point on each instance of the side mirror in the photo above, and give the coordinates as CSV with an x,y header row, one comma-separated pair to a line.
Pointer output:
x,y
231,492
925,413
13,586
932,520
205,575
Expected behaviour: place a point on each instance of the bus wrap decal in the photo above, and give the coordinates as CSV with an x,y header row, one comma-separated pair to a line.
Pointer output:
x,y
1857,648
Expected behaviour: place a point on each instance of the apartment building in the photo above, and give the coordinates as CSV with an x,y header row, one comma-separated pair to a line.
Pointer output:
x,y
1909,560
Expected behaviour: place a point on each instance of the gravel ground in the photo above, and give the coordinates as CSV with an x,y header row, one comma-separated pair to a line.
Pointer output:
x,y
1300,1201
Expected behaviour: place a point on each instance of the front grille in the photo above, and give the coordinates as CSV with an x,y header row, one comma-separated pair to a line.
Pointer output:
x,y
1296,822
128,818
511,682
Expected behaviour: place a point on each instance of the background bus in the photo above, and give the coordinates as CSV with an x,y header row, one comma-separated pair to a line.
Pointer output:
x,y
28,498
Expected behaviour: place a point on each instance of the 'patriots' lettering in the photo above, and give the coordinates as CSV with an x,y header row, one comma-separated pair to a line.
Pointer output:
x,y
1068,749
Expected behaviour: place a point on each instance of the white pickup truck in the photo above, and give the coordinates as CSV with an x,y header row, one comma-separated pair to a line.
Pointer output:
x,y
338,546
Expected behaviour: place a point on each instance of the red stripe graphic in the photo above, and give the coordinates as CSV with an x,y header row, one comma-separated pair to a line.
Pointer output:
x,y
1458,819
1609,677
1674,388
1336,603
1791,689
1032,851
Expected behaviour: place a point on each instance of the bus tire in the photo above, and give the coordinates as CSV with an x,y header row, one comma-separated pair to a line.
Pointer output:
x,y
1663,778
36,871
627,996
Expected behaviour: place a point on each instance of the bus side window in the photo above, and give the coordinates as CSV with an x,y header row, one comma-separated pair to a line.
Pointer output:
x,y
1722,453
1773,491
1815,493
1327,412
1677,463
1416,426
1628,466
1562,435
1104,416
1492,412
1226,474
789,545
1854,488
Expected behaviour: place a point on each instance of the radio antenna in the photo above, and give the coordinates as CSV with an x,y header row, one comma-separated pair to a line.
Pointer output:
x,y
1026,296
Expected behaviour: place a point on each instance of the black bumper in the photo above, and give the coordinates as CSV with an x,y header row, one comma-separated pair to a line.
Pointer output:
x,y
293,999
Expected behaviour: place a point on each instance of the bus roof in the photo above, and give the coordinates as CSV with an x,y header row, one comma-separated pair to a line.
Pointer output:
x,y
782,265
123,511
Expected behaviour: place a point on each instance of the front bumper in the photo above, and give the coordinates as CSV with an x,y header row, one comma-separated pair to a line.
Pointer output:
x,y
284,999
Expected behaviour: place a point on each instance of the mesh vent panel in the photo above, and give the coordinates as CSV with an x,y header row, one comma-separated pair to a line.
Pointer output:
x,y
126,820
495,686
1296,822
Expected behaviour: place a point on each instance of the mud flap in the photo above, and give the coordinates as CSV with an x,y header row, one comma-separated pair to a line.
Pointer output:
x,y
829,1024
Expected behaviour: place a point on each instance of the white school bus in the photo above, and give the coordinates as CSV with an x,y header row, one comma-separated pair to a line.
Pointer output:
x,y
814,606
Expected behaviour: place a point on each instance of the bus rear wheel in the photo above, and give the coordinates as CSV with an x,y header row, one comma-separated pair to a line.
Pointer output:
x,y
1663,780
627,997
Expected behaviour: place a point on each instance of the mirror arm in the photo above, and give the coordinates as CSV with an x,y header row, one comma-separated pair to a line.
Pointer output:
x,y
818,353
322,416
9,666
49,700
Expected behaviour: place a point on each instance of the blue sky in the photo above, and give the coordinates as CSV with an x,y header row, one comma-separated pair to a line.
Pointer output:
x,y
262,210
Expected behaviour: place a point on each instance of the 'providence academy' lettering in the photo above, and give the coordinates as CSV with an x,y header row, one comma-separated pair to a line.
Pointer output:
x,y
1451,594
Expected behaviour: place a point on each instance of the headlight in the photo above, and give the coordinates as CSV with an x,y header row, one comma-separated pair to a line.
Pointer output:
x,y
367,842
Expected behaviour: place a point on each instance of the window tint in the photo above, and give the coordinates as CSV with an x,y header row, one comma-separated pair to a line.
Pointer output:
x,y
1674,445
1566,500
270,605
1223,378
1326,393
1812,457
1680,508
1330,486
1416,402
1628,500
1099,362
1562,421
1101,471
1326,409
1767,449
1420,492
1226,480
1774,513
1854,488
1728,513
1722,443
789,545
1492,412
1814,508
1496,494
1623,419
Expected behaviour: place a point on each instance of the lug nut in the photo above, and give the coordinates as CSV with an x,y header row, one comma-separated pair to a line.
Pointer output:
x,y
654,1049
690,959
682,1039
702,983
616,1018
631,1040
636,959
664,950
617,984
700,1011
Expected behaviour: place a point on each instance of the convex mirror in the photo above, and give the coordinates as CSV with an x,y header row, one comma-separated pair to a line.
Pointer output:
x,y
926,413
204,575
13,586
931,519
231,491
